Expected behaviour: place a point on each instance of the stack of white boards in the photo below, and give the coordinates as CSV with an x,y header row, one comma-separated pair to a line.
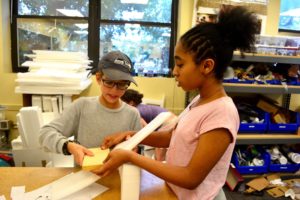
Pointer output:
x,y
54,72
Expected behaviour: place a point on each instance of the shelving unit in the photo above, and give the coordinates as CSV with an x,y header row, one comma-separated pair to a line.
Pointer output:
x,y
260,88
270,138
73,92
253,57
5,151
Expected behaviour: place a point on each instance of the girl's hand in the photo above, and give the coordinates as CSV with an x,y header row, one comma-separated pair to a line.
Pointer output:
x,y
114,159
115,139
78,151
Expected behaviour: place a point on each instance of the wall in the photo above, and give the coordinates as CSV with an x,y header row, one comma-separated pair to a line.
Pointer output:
x,y
151,87
7,84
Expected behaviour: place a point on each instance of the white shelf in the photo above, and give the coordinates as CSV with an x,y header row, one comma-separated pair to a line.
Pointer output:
x,y
261,88
253,57
272,138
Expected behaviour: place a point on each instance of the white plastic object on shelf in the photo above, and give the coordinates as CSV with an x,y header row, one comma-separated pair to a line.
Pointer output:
x,y
295,157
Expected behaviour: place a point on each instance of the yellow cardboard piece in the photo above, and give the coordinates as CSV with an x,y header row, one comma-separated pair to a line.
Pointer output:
x,y
277,191
258,184
97,159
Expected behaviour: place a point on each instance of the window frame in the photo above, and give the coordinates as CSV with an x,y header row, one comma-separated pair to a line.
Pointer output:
x,y
94,23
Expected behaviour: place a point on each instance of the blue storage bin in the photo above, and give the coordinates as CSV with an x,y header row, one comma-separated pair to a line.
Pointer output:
x,y
252,169
285,128
260,82
232,80
245,81
227,80
274,82
294,83
256,127
282,168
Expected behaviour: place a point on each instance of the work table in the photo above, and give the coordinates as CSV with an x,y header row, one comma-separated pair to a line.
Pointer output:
x,y
151,187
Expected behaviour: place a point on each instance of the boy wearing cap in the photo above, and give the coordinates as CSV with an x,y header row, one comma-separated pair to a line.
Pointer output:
x,y
91,119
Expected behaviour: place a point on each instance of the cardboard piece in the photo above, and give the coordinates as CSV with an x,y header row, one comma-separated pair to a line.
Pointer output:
x,y
280,118
267,106
258,183
249,190
272,177
97,159
275,181
277,191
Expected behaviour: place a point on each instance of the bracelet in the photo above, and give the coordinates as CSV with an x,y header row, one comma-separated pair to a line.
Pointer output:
x,y
65,149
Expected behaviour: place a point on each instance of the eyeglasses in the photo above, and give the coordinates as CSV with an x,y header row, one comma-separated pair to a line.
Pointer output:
x,y
122,85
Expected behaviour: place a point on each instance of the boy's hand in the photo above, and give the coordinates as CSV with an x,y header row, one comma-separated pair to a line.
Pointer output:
x,y
115,139
78,151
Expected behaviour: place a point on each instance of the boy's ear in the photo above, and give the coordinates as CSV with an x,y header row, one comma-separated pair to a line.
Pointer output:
x,y
98,76
208,66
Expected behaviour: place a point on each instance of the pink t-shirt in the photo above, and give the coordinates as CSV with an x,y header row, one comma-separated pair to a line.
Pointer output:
x,y
220,113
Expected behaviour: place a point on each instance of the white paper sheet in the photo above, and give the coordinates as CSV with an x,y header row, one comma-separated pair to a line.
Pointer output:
x,y
87,193
64,186
17,192
2,197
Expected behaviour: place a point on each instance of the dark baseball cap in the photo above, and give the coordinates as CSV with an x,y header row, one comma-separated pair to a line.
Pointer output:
x,y
116,66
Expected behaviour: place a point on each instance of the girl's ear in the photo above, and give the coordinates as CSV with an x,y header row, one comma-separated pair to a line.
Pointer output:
x,y
208,66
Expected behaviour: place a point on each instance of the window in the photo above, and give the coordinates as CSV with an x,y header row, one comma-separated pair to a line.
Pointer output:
x,y
289,18
143,29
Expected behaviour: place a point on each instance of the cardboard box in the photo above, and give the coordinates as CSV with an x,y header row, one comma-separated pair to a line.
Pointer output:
x,y
267,106
258,183
233,178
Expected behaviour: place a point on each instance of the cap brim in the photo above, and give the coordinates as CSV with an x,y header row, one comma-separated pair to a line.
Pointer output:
x,y
117,75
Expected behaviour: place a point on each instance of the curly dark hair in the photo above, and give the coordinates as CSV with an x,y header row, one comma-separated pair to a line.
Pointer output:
x,y
235,29
132,95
